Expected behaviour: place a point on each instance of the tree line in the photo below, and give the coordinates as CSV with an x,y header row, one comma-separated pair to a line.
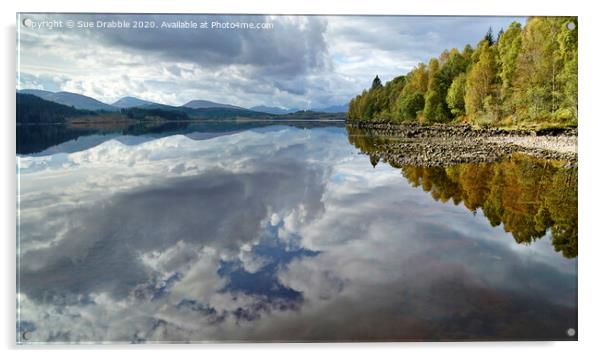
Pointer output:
x,y
524,76
33,109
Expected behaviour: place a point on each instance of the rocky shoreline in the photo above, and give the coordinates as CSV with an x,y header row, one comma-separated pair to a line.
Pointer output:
x,y
443,145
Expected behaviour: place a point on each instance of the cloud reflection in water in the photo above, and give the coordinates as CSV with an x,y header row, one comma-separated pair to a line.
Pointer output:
x,y
280,234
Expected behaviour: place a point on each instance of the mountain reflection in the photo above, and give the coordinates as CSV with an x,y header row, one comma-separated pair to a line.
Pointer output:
x,y
37,138
526,195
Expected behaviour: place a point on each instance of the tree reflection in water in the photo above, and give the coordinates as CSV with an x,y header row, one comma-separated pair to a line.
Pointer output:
x,y
527,196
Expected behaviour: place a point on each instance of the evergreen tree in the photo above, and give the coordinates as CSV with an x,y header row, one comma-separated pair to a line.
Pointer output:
x,y
489,37
376,83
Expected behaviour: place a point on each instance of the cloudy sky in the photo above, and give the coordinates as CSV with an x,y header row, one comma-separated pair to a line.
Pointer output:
x,y
297,62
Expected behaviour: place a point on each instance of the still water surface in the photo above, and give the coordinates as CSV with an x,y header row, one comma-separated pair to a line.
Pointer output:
x,y
287,234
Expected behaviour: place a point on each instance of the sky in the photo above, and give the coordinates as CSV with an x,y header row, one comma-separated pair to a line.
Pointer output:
x,y
291,62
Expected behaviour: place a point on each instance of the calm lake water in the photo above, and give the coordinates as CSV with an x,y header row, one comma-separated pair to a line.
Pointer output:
x,y
284,233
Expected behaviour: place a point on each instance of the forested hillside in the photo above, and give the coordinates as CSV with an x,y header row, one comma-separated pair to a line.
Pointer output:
x,y
33,109
524,76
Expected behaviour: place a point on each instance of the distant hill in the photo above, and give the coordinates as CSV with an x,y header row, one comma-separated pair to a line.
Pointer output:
x,y
45,107
88,103
341,108
149,113
225,113
71,99
273,110
33,109
37,92
199,103
166,107
313,115
185,113
128,101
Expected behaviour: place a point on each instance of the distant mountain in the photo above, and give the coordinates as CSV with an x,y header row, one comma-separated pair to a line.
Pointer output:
x,y
166,107
155,112
71,99
314,115
273,110
37,92
224,113
341,108
279,110
186,113
199,103
128,101
34,109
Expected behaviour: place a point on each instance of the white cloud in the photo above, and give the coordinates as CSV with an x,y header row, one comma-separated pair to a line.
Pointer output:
x,y
303,62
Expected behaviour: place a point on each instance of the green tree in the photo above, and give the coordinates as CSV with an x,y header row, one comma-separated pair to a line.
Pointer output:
x,y
411,98
435,108
568,77
410,105
455,65
509,47
526,76
489,37
387,98
481,98
455,95
539,83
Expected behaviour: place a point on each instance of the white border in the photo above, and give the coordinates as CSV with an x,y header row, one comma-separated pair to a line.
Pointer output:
x,y
589,173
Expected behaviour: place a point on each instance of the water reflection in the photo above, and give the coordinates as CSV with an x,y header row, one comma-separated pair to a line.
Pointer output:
x,y
34,139
526,195
275,235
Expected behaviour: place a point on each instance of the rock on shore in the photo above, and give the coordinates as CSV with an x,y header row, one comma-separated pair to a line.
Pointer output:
x,y
443,145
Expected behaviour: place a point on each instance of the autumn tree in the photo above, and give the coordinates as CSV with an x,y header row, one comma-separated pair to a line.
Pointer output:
x,y
509,47
481,98
545,69
527,76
